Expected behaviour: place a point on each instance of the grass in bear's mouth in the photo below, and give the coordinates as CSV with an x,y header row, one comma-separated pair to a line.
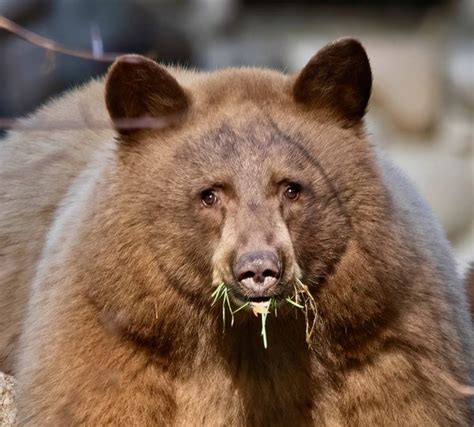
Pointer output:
x,y
302,299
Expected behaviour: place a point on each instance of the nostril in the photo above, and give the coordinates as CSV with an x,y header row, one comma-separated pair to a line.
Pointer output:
x,y
270,273
246,275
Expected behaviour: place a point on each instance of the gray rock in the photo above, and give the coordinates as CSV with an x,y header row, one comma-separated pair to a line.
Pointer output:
x,y
7,401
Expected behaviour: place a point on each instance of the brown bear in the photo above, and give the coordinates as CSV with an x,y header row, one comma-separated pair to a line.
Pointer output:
x,y
246,186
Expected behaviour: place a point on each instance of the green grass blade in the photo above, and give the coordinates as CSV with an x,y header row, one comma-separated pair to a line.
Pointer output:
x,y
227,301
218,292
241,307
264,329
289,300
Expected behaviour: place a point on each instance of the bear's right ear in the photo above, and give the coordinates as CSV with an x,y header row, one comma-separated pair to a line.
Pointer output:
x,y
139,93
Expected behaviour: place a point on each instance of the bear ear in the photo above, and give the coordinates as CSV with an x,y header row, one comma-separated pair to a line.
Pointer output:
x,y
140,93
337,78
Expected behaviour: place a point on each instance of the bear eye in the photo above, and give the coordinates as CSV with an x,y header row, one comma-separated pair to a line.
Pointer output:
x,y
292,191
208,198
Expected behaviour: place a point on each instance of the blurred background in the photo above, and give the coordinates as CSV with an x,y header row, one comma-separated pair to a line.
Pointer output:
x,y
422,53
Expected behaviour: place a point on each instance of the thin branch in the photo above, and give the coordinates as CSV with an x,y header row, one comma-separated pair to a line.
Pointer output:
x,y
52,46
96,55
91,124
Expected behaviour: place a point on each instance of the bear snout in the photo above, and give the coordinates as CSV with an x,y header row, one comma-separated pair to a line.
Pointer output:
x,y
257,271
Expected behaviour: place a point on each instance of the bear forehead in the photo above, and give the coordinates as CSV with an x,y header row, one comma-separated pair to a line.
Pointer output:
x,y
248,158
234,85
251,144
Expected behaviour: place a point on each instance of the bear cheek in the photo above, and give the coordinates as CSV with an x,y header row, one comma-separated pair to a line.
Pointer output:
x,y
319,242
285,246
223,255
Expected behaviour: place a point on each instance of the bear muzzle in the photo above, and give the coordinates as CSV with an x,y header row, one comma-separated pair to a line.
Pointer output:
x,y
257,273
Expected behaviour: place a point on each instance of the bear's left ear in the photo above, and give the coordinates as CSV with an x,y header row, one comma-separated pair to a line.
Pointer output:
x,y
337,78
141,93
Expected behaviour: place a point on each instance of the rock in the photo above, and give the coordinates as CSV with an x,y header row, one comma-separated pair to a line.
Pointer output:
x,y
460,60
461,72
7,401
445,180
407,81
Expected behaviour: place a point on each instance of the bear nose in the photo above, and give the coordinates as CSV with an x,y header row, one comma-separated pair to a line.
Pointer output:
x,y
258,270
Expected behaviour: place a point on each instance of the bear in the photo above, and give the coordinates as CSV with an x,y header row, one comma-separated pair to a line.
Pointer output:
x,y
243,192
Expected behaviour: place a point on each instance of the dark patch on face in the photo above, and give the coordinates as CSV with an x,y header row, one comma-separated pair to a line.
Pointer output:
x,y
269,239
253,206
225,143
317,165
226,139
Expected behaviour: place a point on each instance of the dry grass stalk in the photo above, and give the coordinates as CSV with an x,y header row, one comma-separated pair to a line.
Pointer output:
x,y
302,300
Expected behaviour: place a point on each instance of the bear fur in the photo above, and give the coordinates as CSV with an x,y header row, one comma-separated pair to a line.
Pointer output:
x,y
108,257
469,280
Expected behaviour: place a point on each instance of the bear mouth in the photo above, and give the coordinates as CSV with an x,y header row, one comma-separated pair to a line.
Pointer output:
x,y
245,297
259,299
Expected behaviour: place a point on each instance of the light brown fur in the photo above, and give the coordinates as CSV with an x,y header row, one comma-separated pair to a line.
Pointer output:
x,y
107,265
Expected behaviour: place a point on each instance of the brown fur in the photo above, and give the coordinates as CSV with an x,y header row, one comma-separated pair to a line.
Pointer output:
x,y
469,280
108,259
